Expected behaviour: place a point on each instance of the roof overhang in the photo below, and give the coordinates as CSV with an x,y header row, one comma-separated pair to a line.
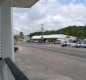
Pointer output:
x,y
23,3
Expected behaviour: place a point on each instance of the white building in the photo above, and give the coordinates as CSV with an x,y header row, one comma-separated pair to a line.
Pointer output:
x,y
61,37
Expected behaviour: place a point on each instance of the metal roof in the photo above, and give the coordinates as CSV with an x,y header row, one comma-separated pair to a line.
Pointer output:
x,y
50,36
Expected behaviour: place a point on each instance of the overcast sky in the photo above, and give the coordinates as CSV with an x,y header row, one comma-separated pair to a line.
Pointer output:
x,y
53,14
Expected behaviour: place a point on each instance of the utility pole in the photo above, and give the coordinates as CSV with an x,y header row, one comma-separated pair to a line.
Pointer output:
x,y
42,29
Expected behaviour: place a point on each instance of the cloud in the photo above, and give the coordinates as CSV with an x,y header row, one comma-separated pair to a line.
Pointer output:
x,y
52,13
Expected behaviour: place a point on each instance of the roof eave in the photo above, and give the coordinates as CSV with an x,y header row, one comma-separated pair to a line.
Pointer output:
x,y
29,4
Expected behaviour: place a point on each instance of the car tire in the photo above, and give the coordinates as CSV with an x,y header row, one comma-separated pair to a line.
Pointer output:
x,y
80,46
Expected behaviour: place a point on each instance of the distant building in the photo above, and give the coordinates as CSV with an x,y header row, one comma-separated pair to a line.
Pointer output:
x,y
26,38
53,37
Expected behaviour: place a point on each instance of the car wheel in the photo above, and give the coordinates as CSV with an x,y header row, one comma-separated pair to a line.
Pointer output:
x,y
80,46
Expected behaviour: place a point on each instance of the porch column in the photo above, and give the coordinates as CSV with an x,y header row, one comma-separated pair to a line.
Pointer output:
x,y
6,37
6,28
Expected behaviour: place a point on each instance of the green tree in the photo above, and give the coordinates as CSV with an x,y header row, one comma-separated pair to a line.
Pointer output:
x,y
77,31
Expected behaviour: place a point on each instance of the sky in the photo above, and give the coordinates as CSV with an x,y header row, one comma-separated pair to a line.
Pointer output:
x,y
53,14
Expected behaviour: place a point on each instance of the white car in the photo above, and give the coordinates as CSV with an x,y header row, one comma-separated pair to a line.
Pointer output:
x,y
63,44
81,44
73,44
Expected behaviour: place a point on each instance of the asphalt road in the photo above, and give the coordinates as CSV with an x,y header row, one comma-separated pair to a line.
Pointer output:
x,y
51,62
75,52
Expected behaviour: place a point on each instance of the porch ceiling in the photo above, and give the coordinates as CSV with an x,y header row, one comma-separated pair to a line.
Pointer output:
x,y
23,3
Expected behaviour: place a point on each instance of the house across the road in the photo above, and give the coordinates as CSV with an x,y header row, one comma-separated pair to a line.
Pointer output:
x,y
53,38
26,38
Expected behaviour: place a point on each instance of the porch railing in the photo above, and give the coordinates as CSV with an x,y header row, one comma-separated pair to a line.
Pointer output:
x,y
0,58
14,70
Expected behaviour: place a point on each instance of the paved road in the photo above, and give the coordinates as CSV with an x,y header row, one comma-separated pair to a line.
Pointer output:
x,y
51,62
75,52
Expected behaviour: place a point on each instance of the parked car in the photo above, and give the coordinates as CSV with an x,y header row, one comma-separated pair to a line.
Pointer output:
x,y
73,44
81,45
84,45
68,44
64,44
36,41
57,42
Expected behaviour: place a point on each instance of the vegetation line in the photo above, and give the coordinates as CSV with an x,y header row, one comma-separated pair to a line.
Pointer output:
x,y
77,31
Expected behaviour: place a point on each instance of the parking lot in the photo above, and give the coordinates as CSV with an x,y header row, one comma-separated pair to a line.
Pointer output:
x,y
51,61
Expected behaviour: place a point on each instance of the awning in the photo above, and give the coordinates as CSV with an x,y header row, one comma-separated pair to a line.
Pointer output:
x,y
23,3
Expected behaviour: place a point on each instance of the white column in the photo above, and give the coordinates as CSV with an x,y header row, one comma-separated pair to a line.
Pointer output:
x,y
6,36
0,31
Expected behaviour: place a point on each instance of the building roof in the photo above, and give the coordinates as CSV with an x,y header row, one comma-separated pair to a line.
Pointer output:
x,y
22,3
50,36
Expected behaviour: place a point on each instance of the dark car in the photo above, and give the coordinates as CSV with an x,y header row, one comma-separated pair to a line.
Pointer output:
x,y
57,42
